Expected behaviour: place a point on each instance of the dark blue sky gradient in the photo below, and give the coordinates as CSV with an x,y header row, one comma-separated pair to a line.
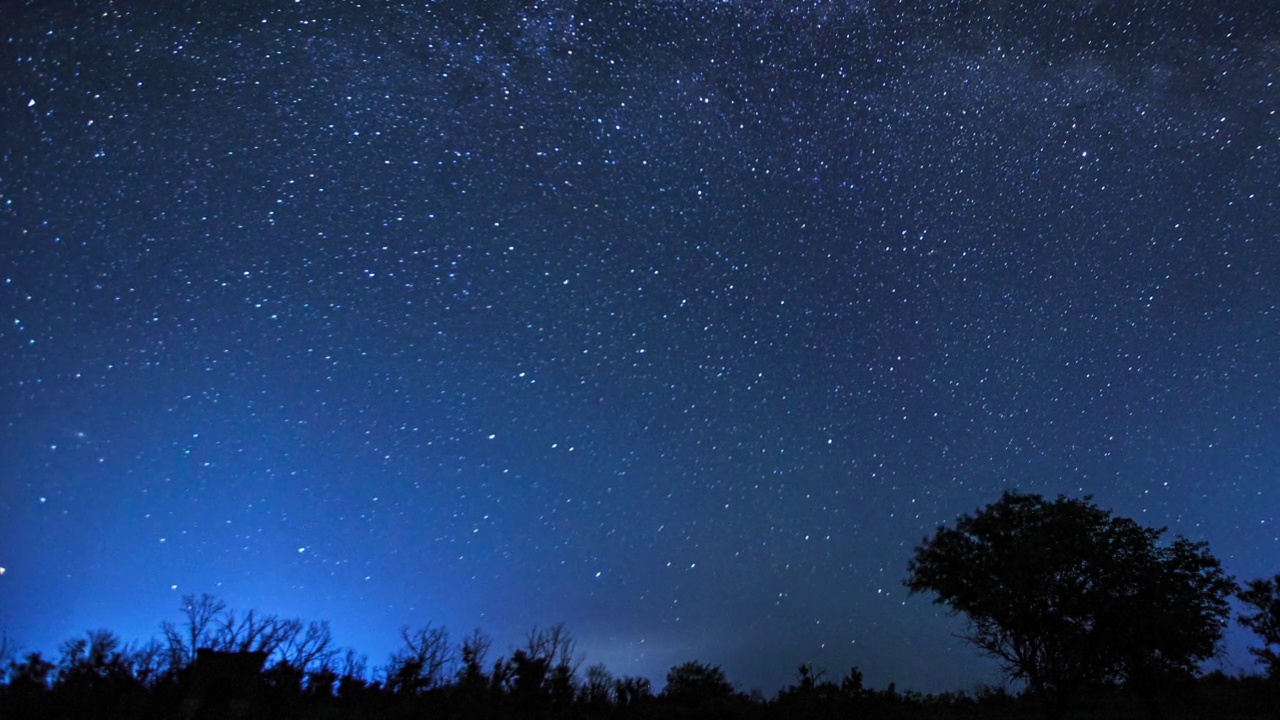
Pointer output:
x,y
680,322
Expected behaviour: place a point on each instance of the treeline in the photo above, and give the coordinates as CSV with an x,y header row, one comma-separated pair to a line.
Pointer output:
x,y
1095,615
218,663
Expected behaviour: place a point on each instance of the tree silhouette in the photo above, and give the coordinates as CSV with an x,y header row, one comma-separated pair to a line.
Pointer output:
x,y
31,675
542,673
1263,597
693,684
422,662
221,683
293,648
351,674
528,687
202,616
308,647
321,683
27,693
148,661
597,687
251,632
811,694
851,683
1063,594
98,676
472,681
93,662
629,691
8,648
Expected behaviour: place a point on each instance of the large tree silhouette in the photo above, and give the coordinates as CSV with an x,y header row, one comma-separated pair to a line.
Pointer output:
x,y
1064,594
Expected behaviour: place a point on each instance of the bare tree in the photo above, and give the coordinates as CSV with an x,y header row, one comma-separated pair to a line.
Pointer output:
x,y
202,617
597,690
476,646
147,661
353,665
548,664
474,650
309,647
554,645
8,648
422,662
253,633
96,648
352,673
93,663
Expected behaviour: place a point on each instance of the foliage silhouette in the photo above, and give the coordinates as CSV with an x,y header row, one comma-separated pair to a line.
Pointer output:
x,y
32,673
223,683
1263,597
1065,595
597,687
95,672
694,684
632,692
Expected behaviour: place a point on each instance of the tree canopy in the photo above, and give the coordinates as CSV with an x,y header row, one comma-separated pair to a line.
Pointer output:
x,y
1263,597
1064,594
693,684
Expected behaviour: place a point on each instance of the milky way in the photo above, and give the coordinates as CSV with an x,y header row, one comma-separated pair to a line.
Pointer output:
x,y
680,322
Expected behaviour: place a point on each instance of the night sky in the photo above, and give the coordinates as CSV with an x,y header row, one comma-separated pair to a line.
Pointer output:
x,y
680,322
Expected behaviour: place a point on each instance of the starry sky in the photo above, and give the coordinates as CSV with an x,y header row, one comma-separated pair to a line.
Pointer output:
x,y
681,322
